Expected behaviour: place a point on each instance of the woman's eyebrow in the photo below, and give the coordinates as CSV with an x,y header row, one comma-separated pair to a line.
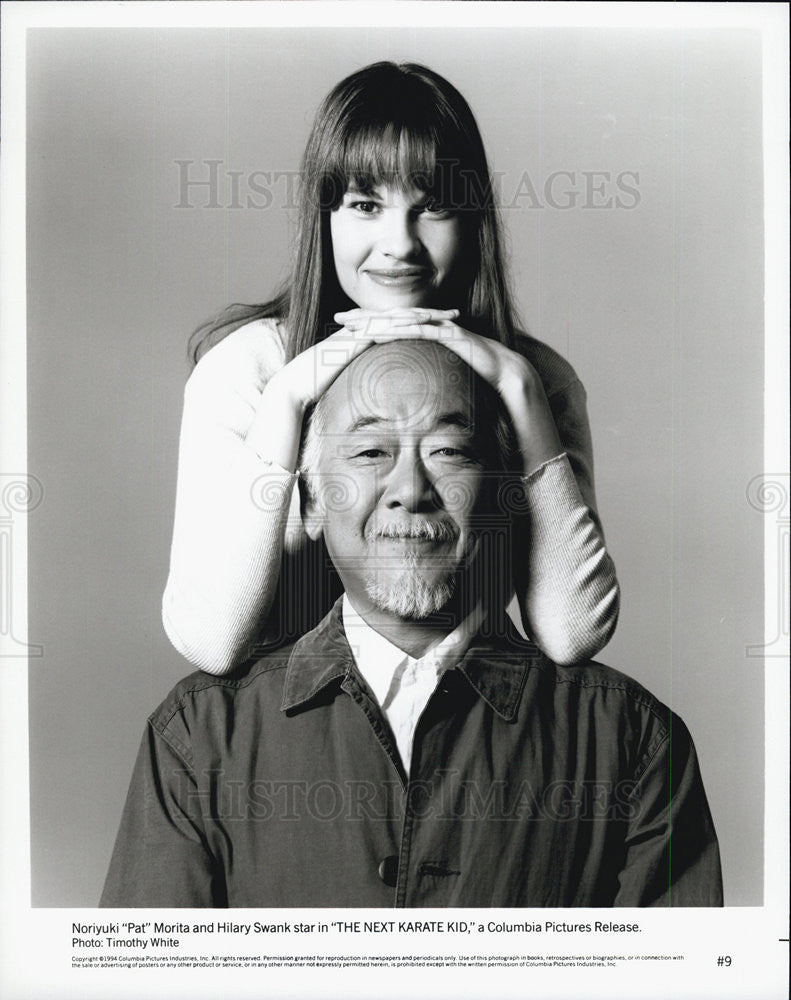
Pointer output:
x,y
369,192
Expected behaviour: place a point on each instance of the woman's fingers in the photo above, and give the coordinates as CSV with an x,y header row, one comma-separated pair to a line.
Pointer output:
x,y
404,310
488,358
328,358
359,319
403,329
480,354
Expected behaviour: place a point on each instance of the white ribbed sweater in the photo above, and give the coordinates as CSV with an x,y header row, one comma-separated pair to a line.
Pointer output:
x,y
238,528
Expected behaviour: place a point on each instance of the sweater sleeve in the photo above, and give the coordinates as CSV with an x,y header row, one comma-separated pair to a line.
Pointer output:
x,y
567,592
233,510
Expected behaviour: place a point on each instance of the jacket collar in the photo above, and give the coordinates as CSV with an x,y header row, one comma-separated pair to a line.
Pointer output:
x,y
496,664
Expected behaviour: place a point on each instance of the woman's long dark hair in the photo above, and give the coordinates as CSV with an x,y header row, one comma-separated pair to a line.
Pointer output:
x,y
386,124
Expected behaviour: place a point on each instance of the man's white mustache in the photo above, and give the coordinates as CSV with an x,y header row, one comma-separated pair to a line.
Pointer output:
x,y
432,531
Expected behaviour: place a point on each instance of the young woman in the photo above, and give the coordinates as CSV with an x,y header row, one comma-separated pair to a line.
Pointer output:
x,y
397,238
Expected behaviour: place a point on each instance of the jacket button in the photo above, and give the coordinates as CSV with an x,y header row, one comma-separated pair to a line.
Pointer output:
x,y
388,870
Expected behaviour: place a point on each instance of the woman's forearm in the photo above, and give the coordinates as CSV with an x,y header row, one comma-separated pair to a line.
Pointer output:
x,y
226,555
568,591
235,502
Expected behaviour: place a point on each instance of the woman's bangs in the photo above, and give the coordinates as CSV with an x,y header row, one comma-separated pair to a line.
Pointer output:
x,y
397,156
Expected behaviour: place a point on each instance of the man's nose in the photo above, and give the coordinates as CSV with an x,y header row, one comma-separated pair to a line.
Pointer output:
x,y
409,485
400,237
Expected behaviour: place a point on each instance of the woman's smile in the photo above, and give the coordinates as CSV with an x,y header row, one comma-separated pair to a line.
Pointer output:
x,y
410,278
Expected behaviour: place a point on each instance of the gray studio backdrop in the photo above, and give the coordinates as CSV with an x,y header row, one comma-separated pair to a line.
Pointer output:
x,y
629,166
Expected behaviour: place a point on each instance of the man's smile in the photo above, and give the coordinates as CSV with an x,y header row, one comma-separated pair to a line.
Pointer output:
x,y
420,531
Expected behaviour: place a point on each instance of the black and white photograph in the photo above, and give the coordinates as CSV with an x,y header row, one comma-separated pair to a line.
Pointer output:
x,y
395,500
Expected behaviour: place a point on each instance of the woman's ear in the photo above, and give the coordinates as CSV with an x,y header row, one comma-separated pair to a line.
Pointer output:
x,y
312,517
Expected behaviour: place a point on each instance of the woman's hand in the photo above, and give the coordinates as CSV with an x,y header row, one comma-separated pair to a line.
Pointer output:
x,y
276,429
514,378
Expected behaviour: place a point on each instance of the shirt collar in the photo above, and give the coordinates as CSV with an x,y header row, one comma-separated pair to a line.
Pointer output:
x,y
496,663
378,659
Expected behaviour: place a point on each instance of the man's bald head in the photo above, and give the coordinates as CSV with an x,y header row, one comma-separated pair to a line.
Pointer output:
x,y
422,372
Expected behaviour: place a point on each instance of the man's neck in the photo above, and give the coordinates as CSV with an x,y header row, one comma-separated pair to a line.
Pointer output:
x,y
414,637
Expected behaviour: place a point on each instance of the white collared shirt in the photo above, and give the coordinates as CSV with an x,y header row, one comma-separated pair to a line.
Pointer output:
x,y
403,685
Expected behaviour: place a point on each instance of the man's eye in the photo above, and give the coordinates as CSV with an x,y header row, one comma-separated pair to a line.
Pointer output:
x,y
460,454
371,453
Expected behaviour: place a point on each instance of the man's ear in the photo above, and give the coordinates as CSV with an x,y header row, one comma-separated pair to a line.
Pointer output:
x,y
312,517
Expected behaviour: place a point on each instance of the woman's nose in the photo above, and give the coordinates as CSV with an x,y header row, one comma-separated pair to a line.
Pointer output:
x,y
399,234
409,485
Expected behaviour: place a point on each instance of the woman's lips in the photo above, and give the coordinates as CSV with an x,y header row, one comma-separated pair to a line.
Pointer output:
x,y
399,277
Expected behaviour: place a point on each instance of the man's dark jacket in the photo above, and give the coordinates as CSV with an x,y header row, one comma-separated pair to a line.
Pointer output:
x,y
530,785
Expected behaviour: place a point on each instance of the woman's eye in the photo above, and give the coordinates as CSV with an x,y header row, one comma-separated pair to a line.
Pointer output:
x,y
371,453
432,207
364,207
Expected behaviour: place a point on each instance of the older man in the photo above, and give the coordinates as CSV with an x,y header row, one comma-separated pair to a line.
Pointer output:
x,y
413,750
